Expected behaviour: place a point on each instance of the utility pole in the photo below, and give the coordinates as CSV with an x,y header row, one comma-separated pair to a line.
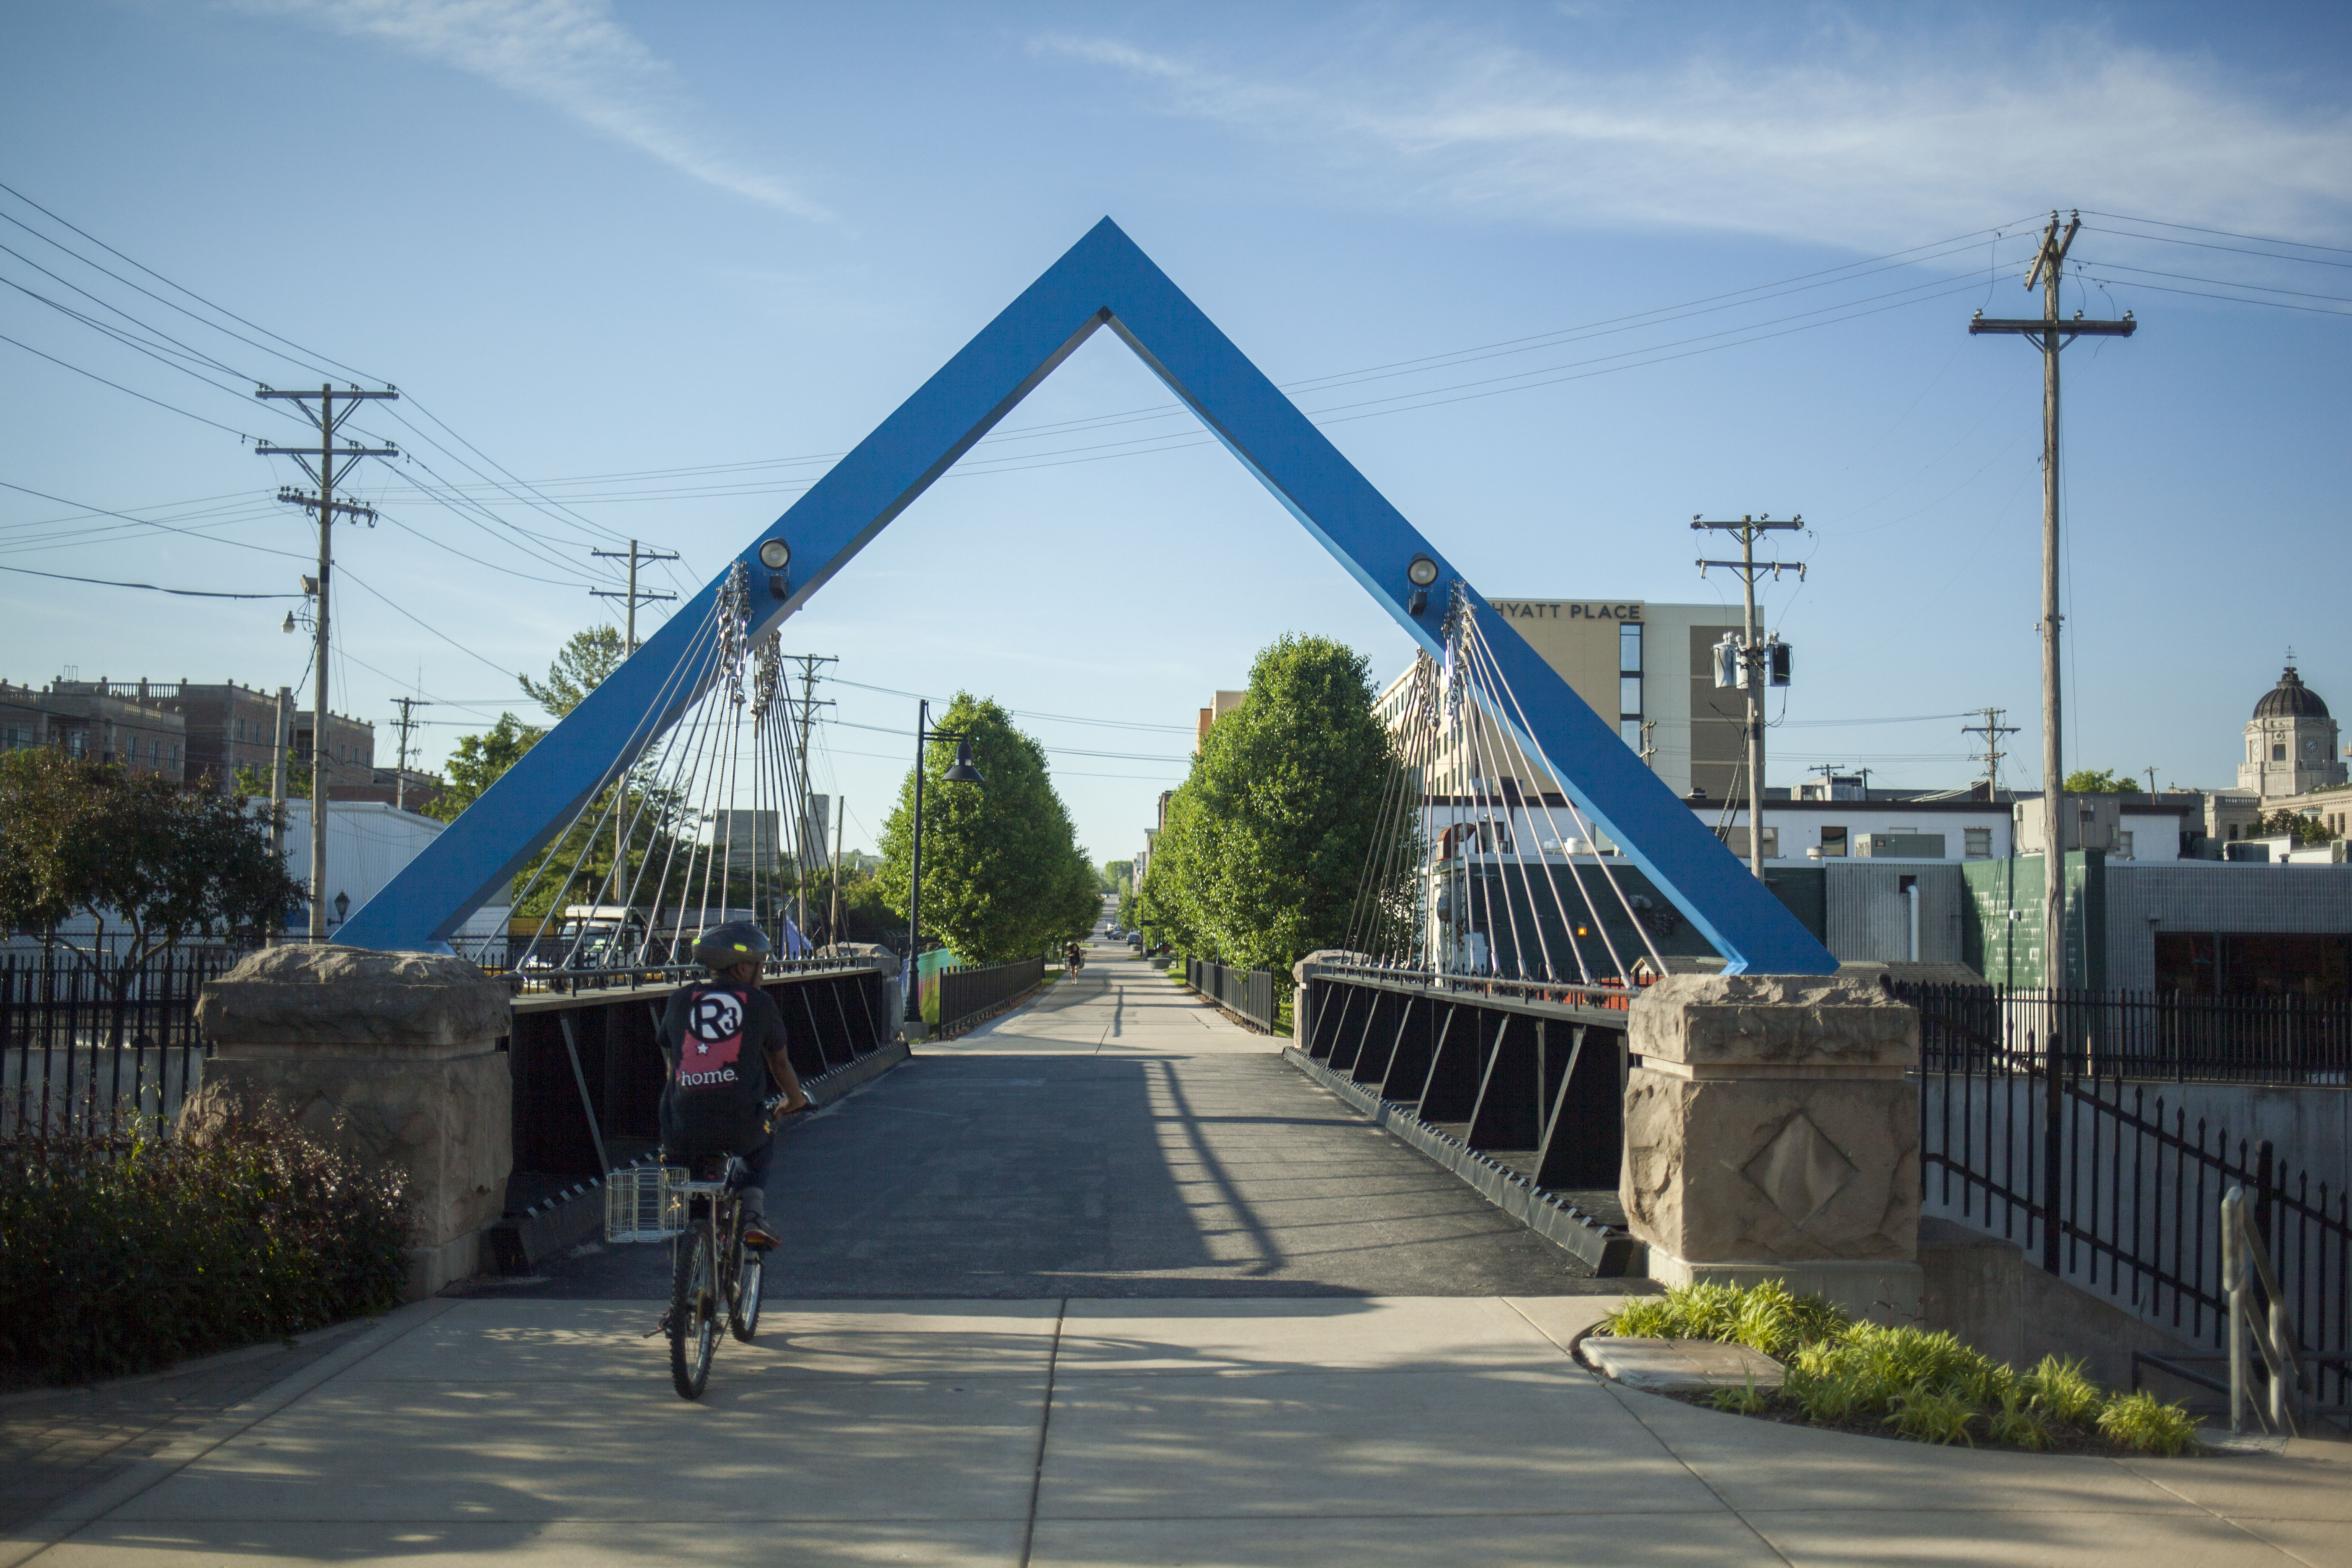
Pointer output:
x,y
1755,664
407,705
808,706
284,743
2052,335
832,917
321,463
635,598
1993,729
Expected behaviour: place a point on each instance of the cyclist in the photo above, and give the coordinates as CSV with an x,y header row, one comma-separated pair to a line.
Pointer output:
x,y
723,1042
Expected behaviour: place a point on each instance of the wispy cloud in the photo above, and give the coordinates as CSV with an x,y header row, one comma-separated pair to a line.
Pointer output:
x,y
571,55
1863,141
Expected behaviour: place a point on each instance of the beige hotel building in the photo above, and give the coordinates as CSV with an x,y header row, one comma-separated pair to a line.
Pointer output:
x,y
1647,667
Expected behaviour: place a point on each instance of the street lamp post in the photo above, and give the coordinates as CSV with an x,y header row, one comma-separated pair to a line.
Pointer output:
x,y
961,773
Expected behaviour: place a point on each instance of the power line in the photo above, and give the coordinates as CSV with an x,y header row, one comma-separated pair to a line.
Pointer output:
x,y
2223,233
120,387
168,283
152,588
437,631
146,522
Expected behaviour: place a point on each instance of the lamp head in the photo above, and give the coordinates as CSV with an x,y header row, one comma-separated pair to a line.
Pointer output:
x,y
1421,572
963,772
775,554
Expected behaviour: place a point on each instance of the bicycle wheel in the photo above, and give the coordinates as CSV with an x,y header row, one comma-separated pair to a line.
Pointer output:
x,y
693,1311
751,1273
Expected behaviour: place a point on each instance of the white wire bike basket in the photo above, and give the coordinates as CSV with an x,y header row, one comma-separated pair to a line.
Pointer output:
x,y
645,1203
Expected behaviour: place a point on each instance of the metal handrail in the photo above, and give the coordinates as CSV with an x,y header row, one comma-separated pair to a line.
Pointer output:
x,y
2244,1261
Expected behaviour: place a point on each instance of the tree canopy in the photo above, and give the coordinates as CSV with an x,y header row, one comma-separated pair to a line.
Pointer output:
x,y
478,762
1003,877
2305,829
149,860
2101,781
1259,859
577,669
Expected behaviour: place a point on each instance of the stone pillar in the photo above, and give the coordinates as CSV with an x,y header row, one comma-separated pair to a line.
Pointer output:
x,y
1771,1134
401,1048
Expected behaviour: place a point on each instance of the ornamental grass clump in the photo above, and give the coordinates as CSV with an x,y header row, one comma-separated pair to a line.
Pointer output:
x,y
122,1255
1928,1387
2140,1420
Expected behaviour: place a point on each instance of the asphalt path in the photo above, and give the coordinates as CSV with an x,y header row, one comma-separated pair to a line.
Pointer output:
x,y
1116,1137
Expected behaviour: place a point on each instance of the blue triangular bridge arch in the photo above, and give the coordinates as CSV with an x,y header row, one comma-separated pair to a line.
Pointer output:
x,y
1103,281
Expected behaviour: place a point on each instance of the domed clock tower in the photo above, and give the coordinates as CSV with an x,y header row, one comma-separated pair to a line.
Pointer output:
x,y
2291,743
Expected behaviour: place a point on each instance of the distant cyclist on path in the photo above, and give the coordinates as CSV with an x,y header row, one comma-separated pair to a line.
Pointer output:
x,y
723,1042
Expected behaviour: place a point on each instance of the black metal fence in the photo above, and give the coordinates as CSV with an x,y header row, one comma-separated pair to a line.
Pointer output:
x,y
587,1069
1519,1089
2137,1034
2109,1187
965,993
84,1050
1249,993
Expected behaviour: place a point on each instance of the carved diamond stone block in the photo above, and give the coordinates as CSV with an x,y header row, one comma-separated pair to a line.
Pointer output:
x,y
1799,1171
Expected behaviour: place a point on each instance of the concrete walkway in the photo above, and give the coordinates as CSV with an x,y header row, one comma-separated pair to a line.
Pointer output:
x,y
1109,1420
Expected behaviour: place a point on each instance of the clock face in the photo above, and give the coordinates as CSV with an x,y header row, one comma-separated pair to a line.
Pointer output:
x,y
2311,748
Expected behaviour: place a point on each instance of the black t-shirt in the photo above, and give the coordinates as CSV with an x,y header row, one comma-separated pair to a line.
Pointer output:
x,y
714,1040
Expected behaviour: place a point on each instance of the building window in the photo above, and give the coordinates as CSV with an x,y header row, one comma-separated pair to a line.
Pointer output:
x,y
1833,843
2122,847
1629,648
1976,842
1629,697
1630,731
1736,840
2278,754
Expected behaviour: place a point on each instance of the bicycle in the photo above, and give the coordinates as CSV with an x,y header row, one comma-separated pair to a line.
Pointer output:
x,y
714,1273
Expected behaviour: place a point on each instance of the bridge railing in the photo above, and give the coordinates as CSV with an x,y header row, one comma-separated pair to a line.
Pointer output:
x,y
965,993
587,1066
1514,1084
1249,993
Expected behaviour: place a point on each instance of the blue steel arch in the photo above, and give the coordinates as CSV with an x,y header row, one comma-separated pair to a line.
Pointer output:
x,y
1103,281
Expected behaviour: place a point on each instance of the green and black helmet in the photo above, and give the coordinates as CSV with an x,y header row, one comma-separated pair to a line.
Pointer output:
x,y
736,941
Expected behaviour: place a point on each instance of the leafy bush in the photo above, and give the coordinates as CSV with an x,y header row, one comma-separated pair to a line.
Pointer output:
x,y
2152,1428
2062,1388
1767,1317
1933,1415
1928,1386
2018,1425
121,1256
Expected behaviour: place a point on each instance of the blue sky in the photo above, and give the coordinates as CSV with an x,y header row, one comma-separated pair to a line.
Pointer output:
x,y
1728,253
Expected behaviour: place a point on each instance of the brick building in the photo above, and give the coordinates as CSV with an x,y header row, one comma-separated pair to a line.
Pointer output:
x,y
97,721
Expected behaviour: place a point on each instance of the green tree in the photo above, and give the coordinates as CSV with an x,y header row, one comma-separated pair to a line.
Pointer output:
x,y
577,669
2305,830
1003,877
248,780
1258,862
150,862
480,760
866,914
2100,781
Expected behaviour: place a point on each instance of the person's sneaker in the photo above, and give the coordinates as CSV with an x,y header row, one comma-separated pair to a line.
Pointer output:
x,y
758,1236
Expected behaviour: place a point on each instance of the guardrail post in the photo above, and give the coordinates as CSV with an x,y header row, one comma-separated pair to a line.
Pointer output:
x,y
1771,1134
397,1054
